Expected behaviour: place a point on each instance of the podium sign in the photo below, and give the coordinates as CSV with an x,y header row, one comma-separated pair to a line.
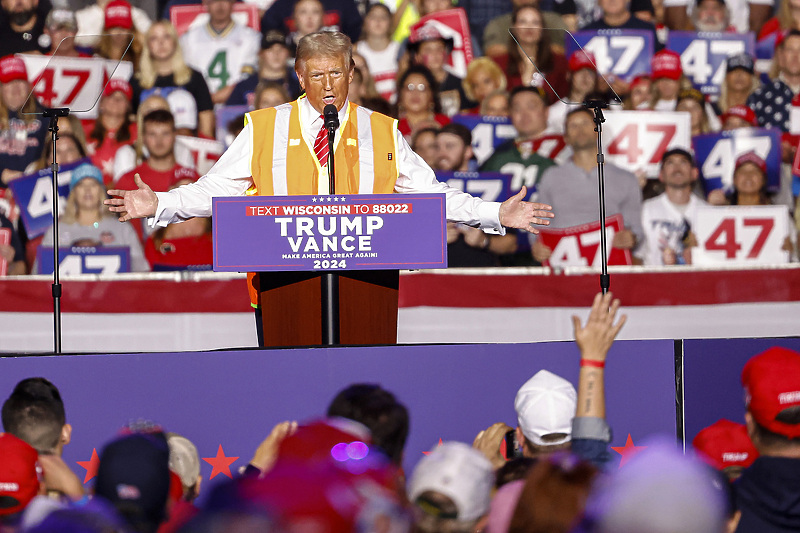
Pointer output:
x,y
337,232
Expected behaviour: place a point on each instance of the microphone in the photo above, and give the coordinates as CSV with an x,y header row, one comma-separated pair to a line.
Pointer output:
x,y
331,117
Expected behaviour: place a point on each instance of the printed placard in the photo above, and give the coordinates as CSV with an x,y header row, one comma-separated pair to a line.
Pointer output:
x,y
636,140
34,196
716,155
580,245
336,232
73,82
76,260
205,152
451,24
184,17
618,53
704,55
741,235
487,133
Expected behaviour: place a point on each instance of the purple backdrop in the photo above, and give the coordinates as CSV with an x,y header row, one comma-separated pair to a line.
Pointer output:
x,y
233,398
712,378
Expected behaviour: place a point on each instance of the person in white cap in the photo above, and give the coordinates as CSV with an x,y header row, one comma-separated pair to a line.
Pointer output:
x,y
545,407
451,488
552,416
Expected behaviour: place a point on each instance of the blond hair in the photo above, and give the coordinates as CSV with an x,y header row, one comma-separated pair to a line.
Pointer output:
x,y
324,44
491,68
180,70
70,215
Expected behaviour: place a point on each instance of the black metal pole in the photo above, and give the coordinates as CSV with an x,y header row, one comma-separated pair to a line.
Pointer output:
x,y
597,107
330,280
53,114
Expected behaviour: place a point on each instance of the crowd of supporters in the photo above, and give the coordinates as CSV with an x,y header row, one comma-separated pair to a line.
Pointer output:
x,y
345,471
182,81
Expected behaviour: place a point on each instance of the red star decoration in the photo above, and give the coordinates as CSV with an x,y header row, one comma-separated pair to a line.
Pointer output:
x,y
90,466
628,451
439,444
220,464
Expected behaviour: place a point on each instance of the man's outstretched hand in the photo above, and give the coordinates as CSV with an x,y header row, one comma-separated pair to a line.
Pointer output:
x,y
139,203
516,213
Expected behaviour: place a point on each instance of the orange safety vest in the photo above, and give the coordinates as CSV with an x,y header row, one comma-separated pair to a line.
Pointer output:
x,y
282,162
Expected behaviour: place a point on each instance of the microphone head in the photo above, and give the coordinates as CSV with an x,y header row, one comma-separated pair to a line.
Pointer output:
x,y
331,115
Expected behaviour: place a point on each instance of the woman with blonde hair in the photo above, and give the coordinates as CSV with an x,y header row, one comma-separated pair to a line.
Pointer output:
x,y
740,82
483,78
87,222
162,69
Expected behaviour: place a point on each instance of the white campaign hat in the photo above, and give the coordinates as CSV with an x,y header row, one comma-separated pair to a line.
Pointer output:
x,y
458,471
545,404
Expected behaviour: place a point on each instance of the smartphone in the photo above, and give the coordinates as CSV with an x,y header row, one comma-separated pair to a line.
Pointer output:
x,y
513,449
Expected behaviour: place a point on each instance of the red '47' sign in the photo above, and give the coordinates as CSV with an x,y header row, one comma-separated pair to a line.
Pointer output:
x,y
636,140
73,82
580,245
741,235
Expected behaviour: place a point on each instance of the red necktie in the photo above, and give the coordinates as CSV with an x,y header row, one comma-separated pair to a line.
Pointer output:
x,y
321,145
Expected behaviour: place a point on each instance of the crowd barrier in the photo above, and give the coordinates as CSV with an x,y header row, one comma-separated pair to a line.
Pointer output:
x,y
203,311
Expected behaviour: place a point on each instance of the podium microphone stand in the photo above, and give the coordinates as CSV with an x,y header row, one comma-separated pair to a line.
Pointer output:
x,y
330,280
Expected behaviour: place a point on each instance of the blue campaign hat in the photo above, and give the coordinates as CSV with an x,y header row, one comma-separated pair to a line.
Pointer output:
x,y
86,170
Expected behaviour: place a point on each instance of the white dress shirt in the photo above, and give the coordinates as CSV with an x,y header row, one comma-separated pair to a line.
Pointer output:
x,y
231,176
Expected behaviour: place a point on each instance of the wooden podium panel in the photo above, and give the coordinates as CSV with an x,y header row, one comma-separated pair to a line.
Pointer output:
x,y
291,307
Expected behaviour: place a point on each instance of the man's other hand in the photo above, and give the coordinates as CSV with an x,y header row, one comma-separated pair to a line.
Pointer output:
x,y
133,204
516,213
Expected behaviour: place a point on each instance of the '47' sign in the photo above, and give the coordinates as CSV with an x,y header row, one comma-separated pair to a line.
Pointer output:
x,y
636,140
704,55
73,82
717,152
620,53
741,235
103,260
580,245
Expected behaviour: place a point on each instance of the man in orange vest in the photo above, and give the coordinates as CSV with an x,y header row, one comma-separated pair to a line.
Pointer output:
x,y
284,151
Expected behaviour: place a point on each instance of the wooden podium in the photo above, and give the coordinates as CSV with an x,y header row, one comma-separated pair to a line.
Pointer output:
x,y
317,255
291,307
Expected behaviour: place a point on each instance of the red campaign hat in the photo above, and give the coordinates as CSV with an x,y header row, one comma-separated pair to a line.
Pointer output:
x,y
752,157
741,111
19,474
771,382
666,64
581,59
115,85
641,78
118,15
12,68
724,444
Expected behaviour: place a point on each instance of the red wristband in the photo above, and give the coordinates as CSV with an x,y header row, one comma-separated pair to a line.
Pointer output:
x,y
596,364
